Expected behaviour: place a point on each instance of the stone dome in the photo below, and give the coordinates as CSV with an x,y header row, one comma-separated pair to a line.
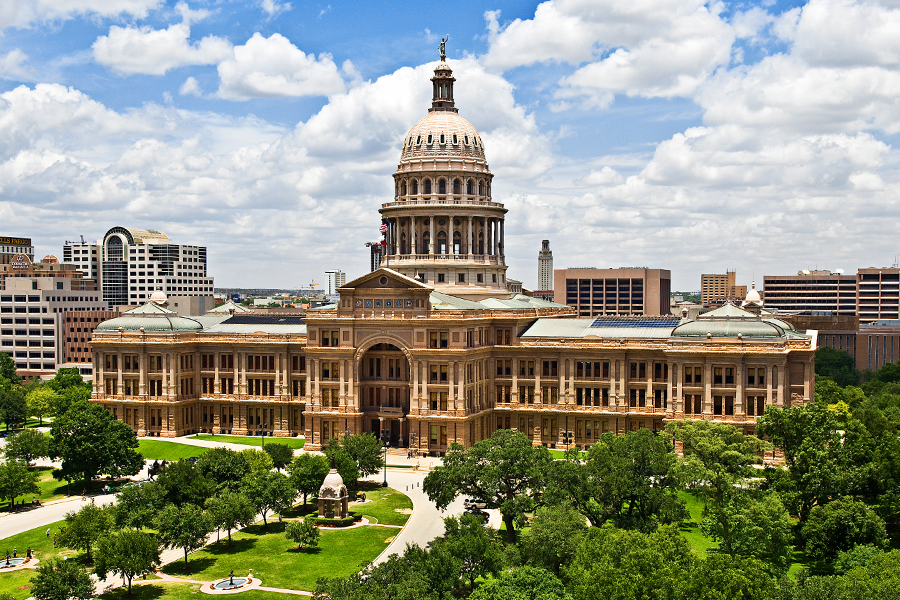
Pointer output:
x,y
442,133
150,317
159,297
333,487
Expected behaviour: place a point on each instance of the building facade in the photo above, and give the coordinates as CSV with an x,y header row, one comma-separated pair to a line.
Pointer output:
x,y
819,293
130,264
439,347
625,291
545,267
13,246
334,279
718,287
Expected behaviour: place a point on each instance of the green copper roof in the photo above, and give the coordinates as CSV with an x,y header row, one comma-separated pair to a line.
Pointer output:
x,y
150,317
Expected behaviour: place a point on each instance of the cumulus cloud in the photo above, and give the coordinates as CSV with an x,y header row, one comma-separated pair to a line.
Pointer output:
x,y
130,50
273,67
272,7
190,87
12,66
22,13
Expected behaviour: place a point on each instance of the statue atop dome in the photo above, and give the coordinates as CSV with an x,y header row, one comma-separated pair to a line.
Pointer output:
x,y
443,47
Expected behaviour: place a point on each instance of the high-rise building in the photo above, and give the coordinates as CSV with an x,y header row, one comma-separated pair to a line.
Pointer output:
x,y
720,286
624,291
334,279
13,246
545,267
21,266
877,294
131,264
820,293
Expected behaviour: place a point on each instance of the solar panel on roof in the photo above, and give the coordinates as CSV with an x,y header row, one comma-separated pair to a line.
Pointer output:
x,y
660,322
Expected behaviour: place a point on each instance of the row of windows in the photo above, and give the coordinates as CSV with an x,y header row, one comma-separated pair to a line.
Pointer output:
x,y
473,188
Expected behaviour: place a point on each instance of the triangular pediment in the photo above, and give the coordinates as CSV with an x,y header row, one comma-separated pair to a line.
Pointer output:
x,y
384,279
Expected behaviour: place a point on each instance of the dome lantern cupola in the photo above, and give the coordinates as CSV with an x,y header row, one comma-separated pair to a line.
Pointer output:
x,y
442,83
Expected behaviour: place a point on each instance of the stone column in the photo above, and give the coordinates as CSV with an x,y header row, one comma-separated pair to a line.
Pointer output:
x,y
514,392
469,247
679,380
707,389
412,241
768,385
142,370
502,250
670,398
739,389
342,397
538,391
779,401
450,235
431,233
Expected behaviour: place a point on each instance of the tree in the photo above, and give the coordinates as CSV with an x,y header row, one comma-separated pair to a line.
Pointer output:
x,y
761,528
128,552
504,471
225,467
65,379
522,583
8,369
475,547
137,505
13,406
724,577
307,472
622,564
90,442
366,452
627,479
41,401
718,460
16,479
836,365
185,527
269,492
553,537
184,483
257,461
839,526
304,532
281,454
84,527
400,577
229,511
61,580
27,445
70,396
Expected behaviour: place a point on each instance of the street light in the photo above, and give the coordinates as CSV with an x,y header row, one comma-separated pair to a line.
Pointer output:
x,y
385,440
567,439
262,434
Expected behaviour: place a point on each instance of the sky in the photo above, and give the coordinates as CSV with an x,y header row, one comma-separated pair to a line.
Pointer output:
x,y
675,134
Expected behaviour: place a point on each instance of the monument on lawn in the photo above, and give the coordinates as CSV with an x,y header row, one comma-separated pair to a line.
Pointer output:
x,y
333,497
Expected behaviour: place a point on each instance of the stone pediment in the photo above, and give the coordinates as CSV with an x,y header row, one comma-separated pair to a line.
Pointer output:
x,y
384,279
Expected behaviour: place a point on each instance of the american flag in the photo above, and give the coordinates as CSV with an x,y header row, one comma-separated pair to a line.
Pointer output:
x,y
383,229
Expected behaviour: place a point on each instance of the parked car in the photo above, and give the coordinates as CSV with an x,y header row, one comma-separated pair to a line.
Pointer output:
x,y
483,515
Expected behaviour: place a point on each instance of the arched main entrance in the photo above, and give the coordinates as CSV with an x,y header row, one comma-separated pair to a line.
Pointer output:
x,y
384,392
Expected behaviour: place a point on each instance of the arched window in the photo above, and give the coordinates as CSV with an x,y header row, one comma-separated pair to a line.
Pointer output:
x,y
442,139
469,187
442,186
429,138
455,139
403,189
418,139
415,187
456,186
427,186
442,242
426,242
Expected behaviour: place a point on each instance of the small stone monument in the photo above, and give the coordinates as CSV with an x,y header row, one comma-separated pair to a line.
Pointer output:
x,y
333,497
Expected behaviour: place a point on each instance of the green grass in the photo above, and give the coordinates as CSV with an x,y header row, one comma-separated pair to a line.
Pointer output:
x,y
691,529
171,451
275,560
560,454
252,440
381,504
177,591
43,550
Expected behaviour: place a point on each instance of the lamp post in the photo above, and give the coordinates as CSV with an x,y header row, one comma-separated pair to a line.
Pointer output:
x,y
385,440
262,434
567,438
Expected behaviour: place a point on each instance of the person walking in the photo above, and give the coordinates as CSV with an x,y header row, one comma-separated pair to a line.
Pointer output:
x,y
48,532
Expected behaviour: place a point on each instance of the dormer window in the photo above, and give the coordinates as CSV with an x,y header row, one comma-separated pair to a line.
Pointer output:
x,y
418,140
429,139
455,139
466,140
442,139
410,142
475,141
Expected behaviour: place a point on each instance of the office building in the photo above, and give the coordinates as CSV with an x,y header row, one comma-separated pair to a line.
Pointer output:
x,y
11,247
20,266
545,267
438,347
625,291
46,323
131,264
716,288
877,294
334,279
821,293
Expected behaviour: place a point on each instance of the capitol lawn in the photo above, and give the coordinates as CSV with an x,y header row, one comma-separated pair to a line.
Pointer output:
x,y
178,591
171,451
18,583
295,443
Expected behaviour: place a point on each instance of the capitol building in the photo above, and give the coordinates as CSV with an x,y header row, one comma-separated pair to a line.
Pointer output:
x,y
438,345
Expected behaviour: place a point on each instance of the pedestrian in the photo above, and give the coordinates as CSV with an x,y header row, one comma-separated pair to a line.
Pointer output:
x,y
48,532
33,500
54,540
84,494
15,551
92,500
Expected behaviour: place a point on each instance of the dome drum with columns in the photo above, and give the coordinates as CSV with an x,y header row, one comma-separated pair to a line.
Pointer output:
x,y
443,227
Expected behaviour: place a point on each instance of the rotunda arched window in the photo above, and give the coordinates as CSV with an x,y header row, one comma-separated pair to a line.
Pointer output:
x,y
442,139
455,139
403,189
469,187
429,139
456,186
415,187
428,185
442,186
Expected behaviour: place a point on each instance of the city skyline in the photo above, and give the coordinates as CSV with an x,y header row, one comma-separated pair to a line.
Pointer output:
x,y
669,135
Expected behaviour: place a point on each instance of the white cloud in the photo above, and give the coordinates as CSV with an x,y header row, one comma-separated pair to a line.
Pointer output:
x,y
273,67
190,87
12,66
273,7
130,50
21,13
